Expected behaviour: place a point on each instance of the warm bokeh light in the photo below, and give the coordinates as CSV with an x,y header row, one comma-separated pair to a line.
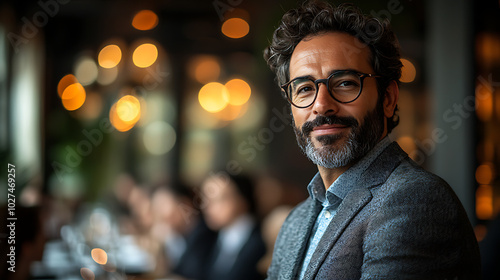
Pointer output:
x,y
239,92
145,20
145,55
484,202
107,76
485,173
73,97
159,138
484,103
87,274
99,256
86,71
408,72
128,108
213,97
125,113
65,82
488,48
205,69
235,28
109,56
117,122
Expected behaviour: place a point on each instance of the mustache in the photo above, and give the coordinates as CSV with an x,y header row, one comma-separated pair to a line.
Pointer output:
x,y
322,120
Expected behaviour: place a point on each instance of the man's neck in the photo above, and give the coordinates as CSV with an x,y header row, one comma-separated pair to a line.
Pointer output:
x,y
330,175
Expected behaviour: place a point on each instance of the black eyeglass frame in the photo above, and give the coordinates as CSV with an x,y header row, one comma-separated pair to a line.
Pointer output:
x,y
326,81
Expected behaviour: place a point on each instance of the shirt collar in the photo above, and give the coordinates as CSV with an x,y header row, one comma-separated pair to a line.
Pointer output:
x,y
347,180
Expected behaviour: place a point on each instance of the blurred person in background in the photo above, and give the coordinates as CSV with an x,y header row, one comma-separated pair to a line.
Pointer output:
x,y
230,209
132,204
372,213
180,226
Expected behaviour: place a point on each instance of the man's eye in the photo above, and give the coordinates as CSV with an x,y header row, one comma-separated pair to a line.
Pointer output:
x,y
305,89
347,83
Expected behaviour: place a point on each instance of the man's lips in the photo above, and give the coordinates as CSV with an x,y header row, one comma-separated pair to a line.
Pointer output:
x,y
330,125
328,129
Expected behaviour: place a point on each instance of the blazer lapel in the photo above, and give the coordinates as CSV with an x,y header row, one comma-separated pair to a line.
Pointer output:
x,y
351,205
301,232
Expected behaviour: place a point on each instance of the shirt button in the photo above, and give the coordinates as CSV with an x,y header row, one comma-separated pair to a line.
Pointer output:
x,y
328,214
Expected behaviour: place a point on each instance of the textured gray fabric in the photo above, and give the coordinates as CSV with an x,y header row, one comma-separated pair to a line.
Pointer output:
x,y
397,222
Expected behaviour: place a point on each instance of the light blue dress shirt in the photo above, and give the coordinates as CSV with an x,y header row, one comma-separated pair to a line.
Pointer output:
x,y
331,199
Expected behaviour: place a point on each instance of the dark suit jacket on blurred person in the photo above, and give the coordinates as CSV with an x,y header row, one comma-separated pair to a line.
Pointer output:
x,y
199,244
395,219
238,250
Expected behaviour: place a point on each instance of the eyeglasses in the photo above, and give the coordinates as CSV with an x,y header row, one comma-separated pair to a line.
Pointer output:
x,y
344,86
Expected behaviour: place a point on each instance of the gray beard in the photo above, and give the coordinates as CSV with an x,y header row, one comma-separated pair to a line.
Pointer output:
x,y
330,157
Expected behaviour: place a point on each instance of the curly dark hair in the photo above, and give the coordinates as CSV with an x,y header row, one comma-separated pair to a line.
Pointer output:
x,y
317,17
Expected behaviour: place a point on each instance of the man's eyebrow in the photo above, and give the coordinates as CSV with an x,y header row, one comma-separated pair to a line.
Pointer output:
x,y
345,69
329,73
304,77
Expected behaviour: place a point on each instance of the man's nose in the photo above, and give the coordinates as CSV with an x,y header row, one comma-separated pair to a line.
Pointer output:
x,y
324,103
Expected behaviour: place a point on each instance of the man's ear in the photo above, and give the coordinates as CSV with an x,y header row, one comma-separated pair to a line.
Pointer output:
x,y
391,99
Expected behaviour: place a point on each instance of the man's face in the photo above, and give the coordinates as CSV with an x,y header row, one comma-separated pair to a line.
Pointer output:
x,y
334,134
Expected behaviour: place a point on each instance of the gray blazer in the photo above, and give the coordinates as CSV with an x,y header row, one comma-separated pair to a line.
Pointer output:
x,y
401,222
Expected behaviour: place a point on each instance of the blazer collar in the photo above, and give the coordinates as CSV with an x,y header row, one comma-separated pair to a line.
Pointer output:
x,y
382,167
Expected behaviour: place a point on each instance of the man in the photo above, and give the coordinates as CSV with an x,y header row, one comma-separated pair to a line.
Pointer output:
x,y
372,213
